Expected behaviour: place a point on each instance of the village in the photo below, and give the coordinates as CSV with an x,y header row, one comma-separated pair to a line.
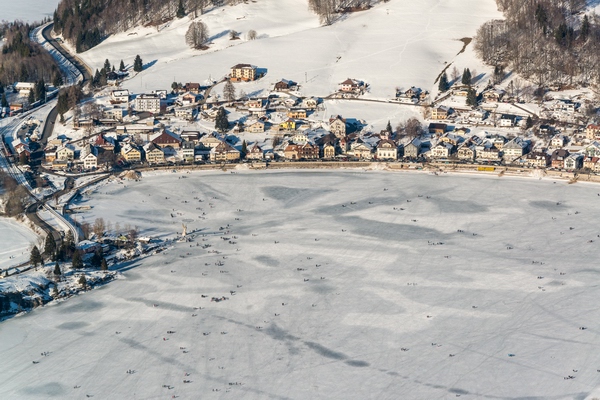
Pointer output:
x,y
191,124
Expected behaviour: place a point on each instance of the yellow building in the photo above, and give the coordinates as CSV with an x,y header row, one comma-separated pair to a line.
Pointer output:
x,y
289,125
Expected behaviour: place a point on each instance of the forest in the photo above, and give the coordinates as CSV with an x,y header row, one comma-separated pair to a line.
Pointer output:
x,y
550,42
24,60
85,23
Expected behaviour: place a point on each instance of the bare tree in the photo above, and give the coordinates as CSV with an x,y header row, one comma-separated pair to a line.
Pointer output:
x,y
454,74
197,35
99,227
251,35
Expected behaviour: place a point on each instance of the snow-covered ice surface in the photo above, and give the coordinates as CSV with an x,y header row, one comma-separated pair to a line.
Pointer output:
x,y
16,241
27,10
347,284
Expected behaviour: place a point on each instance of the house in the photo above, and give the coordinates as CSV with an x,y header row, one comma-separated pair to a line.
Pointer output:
x,y
337,126
387,150
413,92
189,98
591,163
467,152
255,153
351,85
89,157
148,102
288,125
49,154
166,138
592,149
507,120
592,132
557,160
437,128
488,154
413,149
308,151
493,95
573,161
284,84
243,72
119,96
224,152
192,87
514,150
24,87
185,113
442,150
131,153
299,138
292,151
65,153
557,141
187,151
297,113
440,112
115,113
310,103
361,150
104,142
209,141
537,159
190,136
328,151
154,154
256,127
454,140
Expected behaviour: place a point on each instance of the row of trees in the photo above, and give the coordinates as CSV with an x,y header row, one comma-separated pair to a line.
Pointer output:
x,y
86,23
24,60
546,41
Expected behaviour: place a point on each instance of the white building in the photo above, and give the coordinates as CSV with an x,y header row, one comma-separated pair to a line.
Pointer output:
x,y
148,102
120,96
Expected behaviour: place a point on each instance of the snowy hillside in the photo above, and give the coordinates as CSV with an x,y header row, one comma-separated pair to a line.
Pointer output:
x,y
395,44
330,285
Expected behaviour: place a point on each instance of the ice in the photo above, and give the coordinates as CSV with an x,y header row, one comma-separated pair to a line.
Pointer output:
x,y
488,294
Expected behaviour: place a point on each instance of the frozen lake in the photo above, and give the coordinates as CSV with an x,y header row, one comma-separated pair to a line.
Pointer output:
x,y
339,285
16,242
27,10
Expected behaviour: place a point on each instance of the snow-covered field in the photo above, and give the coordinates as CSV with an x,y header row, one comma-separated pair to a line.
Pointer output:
x,y
395,44
27,10
346,284
15,242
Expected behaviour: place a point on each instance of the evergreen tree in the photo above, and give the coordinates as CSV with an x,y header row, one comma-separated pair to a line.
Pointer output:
x,y
180,10
103,78
57,271
229,91
49,246
443,84
106,65
244,147
97,259
466,77
585,27
82,281
1,87
57,80
40,90
77,261
31,97
174,86
35,258
528,122
103,265
138,65
96,78
389,127
4,102
122,66
221,121
472,97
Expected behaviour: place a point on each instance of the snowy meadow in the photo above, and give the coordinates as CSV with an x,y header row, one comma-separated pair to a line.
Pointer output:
x,y
329,285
